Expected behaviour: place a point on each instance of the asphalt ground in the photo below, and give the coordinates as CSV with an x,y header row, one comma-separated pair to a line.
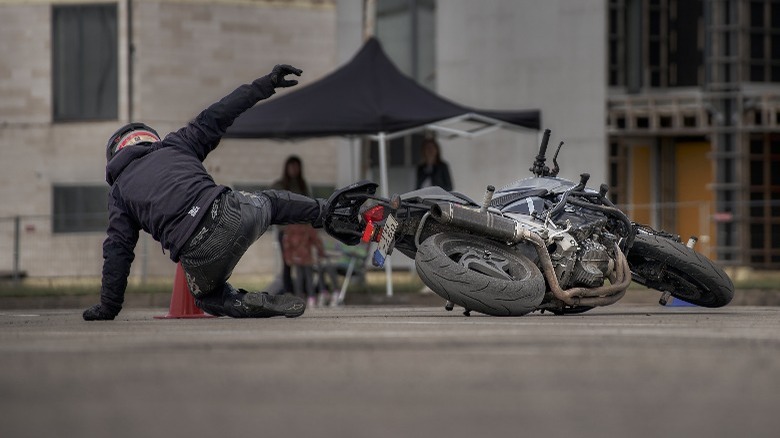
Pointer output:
x,y
391,371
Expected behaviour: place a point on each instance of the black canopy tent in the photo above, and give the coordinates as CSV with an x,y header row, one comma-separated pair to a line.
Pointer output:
x,y
366,96
370,97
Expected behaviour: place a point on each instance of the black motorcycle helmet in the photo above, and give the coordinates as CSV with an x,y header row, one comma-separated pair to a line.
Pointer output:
x,y
128,135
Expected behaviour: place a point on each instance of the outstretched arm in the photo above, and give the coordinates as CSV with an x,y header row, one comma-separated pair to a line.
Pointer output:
x,y
202,135
118,255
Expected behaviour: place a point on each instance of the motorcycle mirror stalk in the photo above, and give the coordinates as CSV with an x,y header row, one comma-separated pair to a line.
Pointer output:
x,y
556,168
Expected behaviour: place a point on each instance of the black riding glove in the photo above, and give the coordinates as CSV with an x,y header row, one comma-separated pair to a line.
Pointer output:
x,y
282,70
98,313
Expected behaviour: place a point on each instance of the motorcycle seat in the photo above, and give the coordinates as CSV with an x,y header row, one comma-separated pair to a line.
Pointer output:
x,y
434,194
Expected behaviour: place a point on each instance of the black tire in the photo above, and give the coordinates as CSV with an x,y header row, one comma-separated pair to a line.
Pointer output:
x,y
479,274
668,265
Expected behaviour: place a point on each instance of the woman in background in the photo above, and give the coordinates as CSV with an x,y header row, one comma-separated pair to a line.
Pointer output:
x,y
292,179
433,171
298,246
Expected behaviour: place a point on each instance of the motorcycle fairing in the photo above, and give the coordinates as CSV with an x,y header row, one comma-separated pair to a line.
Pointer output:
x,y
548,183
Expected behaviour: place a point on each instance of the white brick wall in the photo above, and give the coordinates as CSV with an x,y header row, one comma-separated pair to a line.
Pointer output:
x,y
189,53
25,73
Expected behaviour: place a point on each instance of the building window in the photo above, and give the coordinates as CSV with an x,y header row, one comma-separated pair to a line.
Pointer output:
x,y
407,31
764,40
401,152
79,208
686,43
764,204
655,43
616,36
84,62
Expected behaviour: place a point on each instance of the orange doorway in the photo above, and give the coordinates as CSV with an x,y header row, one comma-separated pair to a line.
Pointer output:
x,y
693,174
640,208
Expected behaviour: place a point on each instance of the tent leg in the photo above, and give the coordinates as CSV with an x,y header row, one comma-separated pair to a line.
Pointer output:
x,y
383,181
389,277
354,170
345,285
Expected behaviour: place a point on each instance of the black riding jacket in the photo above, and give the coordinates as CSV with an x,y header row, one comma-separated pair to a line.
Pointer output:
x,y
164,189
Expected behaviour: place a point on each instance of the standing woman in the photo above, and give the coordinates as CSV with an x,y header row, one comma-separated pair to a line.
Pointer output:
x,y
433,171
292,180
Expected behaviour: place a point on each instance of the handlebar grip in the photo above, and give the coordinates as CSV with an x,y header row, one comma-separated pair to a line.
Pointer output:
x,y
543,146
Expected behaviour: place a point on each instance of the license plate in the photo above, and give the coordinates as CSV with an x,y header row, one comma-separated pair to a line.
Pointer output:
x,y
386,241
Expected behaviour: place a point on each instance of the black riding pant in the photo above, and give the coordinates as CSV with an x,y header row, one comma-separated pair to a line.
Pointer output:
x,y
235,221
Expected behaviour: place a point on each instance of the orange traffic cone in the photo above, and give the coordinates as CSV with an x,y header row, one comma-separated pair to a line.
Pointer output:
x,y
182,302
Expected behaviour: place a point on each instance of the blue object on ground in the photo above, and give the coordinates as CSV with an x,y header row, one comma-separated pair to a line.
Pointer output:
x,y
676,302
378,260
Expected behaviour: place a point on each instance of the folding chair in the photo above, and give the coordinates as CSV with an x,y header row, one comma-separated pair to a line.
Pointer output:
x,y
350,262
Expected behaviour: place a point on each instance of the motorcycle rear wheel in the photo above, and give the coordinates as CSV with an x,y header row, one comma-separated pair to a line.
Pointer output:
x,y
667,265
479,274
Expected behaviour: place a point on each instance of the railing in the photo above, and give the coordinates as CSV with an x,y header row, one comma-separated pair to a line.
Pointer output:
x,y
29,248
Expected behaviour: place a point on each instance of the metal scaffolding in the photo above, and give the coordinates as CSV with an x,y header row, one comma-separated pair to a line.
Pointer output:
x,y
722,92
735,104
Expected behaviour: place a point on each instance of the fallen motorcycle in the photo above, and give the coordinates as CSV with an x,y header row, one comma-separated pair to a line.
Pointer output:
x,y
542,243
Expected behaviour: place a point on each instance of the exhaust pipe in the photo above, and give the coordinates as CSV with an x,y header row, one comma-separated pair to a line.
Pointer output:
x,y
486,223
508,230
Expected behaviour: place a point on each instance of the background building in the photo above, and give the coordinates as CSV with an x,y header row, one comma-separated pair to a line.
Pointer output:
x,y
673,103
693,121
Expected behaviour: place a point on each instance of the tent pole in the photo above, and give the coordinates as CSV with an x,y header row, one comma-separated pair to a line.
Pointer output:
x,y
382,140
354,170
385,193
369,19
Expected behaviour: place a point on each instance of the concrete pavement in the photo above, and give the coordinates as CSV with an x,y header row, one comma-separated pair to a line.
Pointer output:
x,y
633,370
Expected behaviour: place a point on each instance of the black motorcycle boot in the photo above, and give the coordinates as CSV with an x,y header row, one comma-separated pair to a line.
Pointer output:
x,y
224,302
264,305
292,208
238,303
211,304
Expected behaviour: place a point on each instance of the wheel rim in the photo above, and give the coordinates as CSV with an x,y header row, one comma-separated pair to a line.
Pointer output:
x,y
483,261
678,283
682,287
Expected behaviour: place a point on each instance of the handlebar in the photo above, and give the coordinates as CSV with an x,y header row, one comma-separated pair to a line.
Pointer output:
x,y
539,169
543,147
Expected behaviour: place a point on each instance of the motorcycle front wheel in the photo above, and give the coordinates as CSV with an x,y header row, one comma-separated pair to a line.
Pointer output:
x,y
667,265
479,274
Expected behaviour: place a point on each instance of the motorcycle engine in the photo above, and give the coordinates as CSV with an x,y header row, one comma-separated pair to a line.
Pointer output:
x,y
583,255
